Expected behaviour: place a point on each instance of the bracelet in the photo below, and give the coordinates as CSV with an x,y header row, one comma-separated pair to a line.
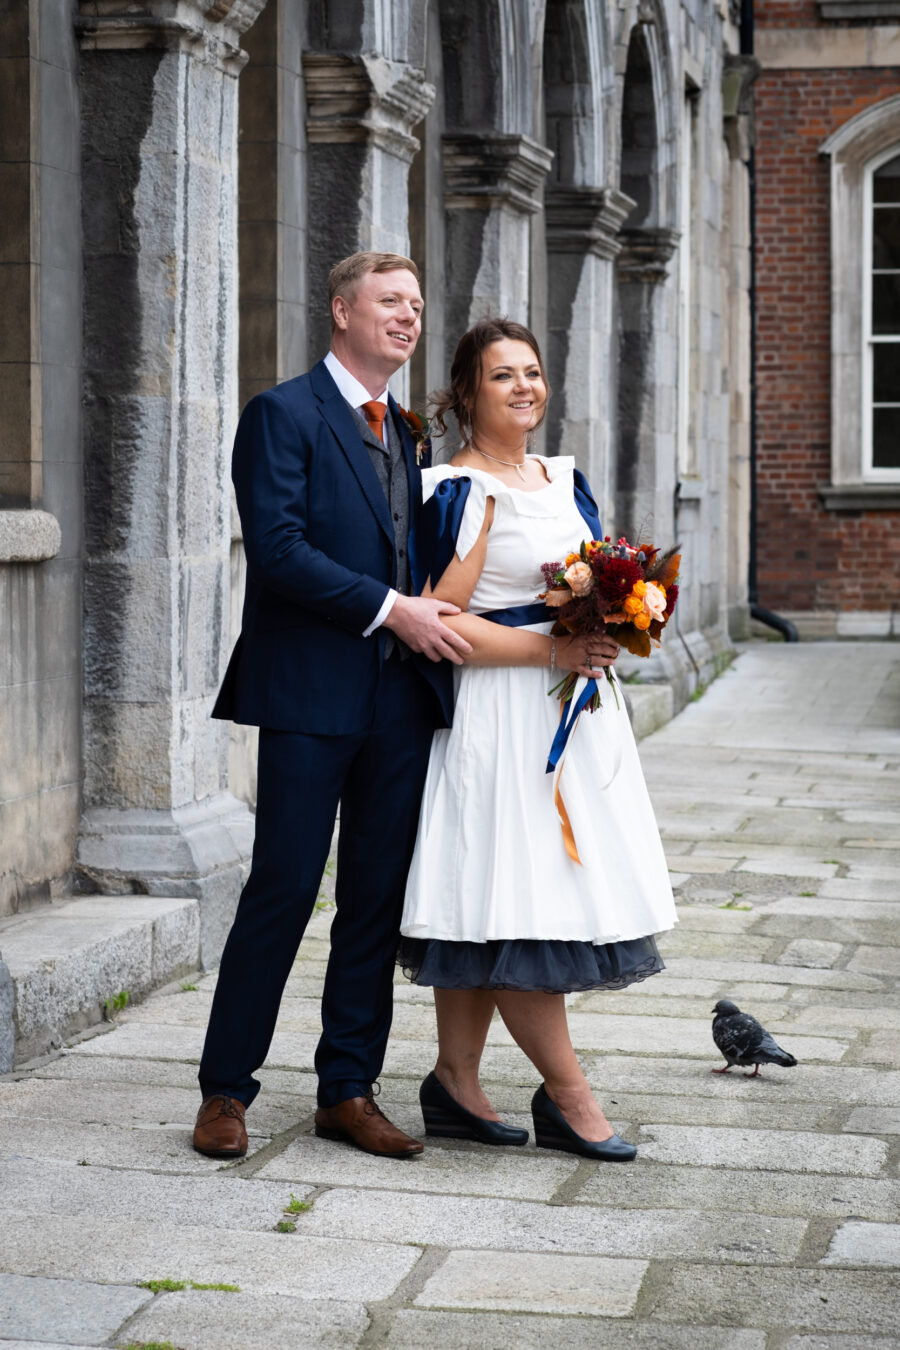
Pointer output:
x,y
553,653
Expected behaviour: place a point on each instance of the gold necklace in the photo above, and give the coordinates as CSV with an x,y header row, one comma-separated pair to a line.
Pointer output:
x,y
508,463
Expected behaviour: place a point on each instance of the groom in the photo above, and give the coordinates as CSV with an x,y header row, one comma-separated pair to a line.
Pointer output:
x,y
346,674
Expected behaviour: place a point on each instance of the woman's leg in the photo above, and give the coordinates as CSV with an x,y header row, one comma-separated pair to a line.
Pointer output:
x,y
463,1018
537,1023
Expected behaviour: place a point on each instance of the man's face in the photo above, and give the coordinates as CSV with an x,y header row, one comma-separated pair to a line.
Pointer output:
x,y
382,319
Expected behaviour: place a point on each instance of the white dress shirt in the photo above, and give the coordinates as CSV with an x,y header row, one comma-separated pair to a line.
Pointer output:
x,y
356,395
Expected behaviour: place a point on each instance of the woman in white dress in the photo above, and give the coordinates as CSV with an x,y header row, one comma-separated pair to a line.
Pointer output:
x,y
497,913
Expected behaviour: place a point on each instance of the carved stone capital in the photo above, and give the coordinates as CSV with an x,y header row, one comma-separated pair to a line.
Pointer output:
x,y
586,220
365,98
485,169
208,32
646,254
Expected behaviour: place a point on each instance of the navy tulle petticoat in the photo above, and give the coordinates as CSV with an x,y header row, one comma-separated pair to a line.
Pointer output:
x,y
532,965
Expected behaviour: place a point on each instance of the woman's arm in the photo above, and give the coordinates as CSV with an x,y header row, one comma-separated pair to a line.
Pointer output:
x,y
494,644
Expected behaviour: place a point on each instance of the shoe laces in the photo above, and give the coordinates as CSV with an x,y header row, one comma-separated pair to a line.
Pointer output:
x,y
371,1107
228,1107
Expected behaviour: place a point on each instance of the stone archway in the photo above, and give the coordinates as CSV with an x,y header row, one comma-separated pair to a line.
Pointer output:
x,y
583,217
645,455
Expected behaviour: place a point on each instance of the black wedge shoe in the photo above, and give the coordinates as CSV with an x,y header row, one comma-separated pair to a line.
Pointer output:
x,y
552,1130
446,1119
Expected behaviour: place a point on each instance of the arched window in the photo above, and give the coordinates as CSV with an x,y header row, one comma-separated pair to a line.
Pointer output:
x,y
881,364
865,311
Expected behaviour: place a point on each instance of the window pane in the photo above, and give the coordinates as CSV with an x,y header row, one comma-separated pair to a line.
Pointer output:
x,y
886,181
886,372
886,438
886,304
886,236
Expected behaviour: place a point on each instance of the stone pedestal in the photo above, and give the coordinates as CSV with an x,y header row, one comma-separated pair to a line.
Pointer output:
x,y
493,186
159,154
582,226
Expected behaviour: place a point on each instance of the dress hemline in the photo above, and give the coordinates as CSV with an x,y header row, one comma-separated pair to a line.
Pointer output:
x,y
529,965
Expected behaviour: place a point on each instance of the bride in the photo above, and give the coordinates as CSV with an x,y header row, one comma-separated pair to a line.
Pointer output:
x,y
497,914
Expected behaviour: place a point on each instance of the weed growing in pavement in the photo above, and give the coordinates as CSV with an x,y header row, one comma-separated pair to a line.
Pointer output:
x,y
149,1345
807,893
187,987
176,1286
295,1206
285,1227
116,1003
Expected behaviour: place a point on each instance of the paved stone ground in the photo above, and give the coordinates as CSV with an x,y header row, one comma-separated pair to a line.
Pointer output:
x,y
760,1215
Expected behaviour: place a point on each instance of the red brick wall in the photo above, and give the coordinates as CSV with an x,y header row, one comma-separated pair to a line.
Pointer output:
x,y
787,14
808,558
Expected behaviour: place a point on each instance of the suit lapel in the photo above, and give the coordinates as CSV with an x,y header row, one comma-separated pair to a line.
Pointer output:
x,y
346,431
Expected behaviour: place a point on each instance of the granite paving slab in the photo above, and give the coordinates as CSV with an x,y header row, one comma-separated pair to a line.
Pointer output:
x,y
446,1167
803,1300
501,1331
221,1199
530,1282
658,1185
71,1310
200,1320
769,1150
865,1244
454,1221
166,1150
118,1251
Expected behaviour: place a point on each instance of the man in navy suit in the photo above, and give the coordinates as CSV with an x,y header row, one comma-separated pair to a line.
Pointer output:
x,y
346,674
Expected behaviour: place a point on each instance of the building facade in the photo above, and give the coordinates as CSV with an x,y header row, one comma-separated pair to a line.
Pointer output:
x,y
827,168
179,176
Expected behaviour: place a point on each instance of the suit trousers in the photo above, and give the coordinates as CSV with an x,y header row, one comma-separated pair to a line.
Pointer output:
x,y
377,777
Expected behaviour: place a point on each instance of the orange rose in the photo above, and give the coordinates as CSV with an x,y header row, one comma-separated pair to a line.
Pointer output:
x,y
641,621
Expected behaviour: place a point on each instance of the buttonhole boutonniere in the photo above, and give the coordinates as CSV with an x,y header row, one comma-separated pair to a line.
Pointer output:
x,y
420,426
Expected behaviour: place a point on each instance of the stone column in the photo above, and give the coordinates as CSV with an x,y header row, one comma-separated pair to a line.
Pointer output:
x,y
159,155
646,458
360,112
582,226
493,186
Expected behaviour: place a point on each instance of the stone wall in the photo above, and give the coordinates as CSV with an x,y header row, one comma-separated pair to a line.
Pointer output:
x,y
40,452
819,561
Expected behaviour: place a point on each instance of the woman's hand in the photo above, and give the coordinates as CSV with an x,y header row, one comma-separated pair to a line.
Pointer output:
x,y
586,655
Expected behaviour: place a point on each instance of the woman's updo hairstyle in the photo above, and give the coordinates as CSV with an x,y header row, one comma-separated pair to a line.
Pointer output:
x,y
465,373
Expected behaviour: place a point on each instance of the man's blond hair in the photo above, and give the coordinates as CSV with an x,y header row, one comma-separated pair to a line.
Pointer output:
x,y
345,276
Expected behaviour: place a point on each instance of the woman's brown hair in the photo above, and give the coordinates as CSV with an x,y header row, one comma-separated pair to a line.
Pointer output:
x,y
465,372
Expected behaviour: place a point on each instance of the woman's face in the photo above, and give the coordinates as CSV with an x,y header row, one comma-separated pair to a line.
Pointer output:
x,y
512,395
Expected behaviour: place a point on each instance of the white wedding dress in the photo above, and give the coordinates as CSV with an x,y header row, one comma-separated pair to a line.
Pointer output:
x,y
492,896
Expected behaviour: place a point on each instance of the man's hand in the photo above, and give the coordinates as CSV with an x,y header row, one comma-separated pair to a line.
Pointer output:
x,y
417,621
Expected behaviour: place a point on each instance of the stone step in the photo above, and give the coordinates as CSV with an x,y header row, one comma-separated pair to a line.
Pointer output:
x,y
60,962
650,706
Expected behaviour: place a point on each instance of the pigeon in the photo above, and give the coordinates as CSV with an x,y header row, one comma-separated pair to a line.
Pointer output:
x,y
743,1040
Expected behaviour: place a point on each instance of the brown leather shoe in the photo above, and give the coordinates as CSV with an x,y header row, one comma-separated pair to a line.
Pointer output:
x,y
359,1121
219,1131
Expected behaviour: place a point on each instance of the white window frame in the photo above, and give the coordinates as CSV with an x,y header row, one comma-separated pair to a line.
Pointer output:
x,y
856,149
870,473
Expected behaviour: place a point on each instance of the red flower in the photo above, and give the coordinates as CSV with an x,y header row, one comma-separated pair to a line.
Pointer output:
x,y
671,597
614,577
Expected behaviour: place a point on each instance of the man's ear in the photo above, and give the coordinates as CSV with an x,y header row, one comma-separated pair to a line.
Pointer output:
x,y
340,312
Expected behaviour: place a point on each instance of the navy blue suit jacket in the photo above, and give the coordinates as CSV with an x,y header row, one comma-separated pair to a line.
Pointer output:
x,y
319,542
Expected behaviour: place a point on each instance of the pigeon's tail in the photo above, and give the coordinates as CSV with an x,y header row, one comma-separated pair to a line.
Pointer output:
x,y
775,1055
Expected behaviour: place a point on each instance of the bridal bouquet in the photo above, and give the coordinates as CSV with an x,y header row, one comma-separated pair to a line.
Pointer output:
x,y
621,589
626,591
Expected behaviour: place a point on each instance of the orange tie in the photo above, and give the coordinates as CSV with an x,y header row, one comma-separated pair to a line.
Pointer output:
x,y
374,414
